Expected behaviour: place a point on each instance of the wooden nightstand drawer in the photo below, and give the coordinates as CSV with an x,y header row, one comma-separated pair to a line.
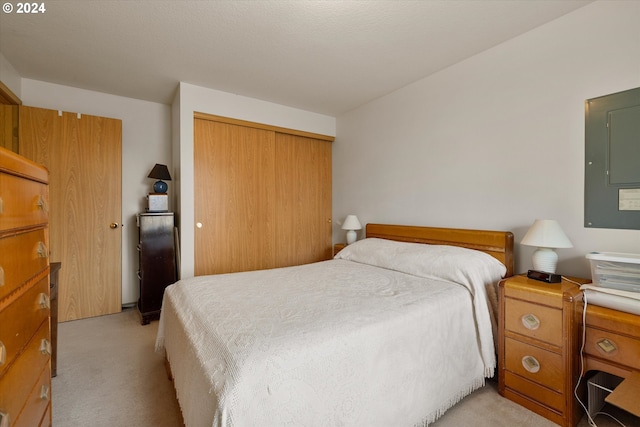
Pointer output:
x,y
613,347
535,321
535,364
534,391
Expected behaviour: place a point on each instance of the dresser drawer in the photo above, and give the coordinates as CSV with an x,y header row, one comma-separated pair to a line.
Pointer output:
x,y
37,402
534,391
23,256
23,202
19,381
22,319
535,364
535,321
46,418
613,347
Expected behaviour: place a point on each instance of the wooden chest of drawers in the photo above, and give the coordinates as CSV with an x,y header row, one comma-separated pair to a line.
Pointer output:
x,y
25,347
538,342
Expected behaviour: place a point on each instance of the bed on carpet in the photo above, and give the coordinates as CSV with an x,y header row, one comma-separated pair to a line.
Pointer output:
x,y
393,331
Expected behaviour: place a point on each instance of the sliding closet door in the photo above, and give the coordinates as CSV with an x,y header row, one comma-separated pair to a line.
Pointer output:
x,y
84,156
303,194
234,172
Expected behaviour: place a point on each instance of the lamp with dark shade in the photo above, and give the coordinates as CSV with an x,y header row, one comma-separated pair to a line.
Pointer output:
x,y
161,173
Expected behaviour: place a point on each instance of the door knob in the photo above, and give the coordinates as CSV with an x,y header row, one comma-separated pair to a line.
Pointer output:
x,y
113,225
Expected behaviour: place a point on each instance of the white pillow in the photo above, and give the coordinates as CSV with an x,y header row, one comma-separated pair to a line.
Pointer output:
x,y
456,264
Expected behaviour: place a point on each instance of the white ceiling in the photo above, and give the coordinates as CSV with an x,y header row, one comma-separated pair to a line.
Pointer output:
x,y
323,56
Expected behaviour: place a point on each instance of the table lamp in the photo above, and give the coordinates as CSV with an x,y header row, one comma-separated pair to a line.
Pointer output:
x,y
160,172
351,224
547,235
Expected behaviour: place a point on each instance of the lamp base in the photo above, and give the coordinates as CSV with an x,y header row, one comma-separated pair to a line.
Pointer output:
x,y
160,187
351,236
545,259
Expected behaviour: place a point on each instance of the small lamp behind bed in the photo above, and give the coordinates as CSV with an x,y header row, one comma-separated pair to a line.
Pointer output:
x,y
351,224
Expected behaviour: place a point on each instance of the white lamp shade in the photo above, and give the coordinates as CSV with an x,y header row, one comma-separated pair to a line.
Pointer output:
x,y
546,234
351,224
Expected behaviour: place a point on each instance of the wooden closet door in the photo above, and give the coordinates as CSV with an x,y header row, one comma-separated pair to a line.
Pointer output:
x,y
84,157
303,197
234,172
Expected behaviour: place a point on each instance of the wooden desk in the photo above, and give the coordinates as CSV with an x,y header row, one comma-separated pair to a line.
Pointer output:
x,y
612,341
612,345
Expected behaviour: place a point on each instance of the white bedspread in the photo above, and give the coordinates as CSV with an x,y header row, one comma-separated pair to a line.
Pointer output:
x,y
336,343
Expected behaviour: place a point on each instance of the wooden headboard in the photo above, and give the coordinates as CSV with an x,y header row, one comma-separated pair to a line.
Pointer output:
x,y
498,244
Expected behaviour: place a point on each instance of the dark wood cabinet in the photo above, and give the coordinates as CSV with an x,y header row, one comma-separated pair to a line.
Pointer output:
x,y
157,261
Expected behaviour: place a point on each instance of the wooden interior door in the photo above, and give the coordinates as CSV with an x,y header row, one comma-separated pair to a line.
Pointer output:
x,y
303,197
84,157
234,172
9,103
8,127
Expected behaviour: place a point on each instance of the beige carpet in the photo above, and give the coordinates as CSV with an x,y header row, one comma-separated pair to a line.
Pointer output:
x,y
109,375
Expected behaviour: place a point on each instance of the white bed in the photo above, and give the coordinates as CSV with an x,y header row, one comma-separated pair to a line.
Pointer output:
x,y
386,334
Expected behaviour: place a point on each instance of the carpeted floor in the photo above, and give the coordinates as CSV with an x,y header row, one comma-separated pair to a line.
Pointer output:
x,y
109,375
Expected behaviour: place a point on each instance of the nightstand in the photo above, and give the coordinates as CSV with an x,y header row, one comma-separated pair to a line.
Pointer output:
x,y
338,247
538,346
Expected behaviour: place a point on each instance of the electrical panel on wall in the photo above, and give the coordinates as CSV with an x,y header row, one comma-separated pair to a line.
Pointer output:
x,y
612,161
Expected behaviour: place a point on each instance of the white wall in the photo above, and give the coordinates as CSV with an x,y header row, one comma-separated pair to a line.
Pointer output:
x,y
10,77
192,99
495,141
146,140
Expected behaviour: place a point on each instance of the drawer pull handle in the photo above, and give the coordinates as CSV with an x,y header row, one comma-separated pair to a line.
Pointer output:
x,y
1,276
42,250
531,364
607,346
42,203
1,206
4,419
43,301
530,321
44,392
45,347
3,354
